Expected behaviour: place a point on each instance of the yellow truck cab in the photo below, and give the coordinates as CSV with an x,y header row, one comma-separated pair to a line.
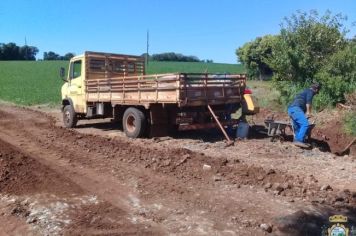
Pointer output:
x,y
73,90
100,85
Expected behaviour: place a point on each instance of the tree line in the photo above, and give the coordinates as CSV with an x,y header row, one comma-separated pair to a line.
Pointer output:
x,y
51,56
11,52
172,56
308,48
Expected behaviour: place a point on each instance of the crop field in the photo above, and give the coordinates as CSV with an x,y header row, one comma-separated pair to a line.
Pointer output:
x,y
38,82
156,67
29,83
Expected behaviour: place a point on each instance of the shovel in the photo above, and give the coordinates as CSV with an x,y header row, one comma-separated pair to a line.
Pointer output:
x,y
229,142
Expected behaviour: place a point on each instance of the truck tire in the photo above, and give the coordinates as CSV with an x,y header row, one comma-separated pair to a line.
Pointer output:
x,y
134,123
69,116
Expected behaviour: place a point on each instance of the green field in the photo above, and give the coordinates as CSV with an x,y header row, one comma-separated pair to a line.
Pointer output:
x,y
156,67
30,82
38,82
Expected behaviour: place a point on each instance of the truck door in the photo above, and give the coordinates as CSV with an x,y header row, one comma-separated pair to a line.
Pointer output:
x,y
76,85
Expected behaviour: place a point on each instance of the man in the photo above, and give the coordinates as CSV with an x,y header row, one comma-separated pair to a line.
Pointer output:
x,y
299,111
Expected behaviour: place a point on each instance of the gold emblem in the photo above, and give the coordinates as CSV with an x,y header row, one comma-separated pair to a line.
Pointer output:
x,y
338,229
338,219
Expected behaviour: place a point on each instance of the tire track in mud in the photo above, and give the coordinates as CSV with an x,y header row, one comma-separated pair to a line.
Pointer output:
x,y
187,166
49,202
72,154
172,176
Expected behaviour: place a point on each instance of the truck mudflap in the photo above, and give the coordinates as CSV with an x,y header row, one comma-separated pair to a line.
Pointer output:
x,y
209,125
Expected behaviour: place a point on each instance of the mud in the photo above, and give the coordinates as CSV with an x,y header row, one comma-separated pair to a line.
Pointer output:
x,y
23,175
92,180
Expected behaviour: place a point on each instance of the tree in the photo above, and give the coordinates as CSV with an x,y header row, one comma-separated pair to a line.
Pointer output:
x,y
306,44
171,56
306,40
11,51
28,52
50,56
68,56
309,47
146,56
1,52
338,76
253,55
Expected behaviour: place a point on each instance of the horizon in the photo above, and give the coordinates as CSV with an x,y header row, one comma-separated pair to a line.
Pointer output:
x,y
209,31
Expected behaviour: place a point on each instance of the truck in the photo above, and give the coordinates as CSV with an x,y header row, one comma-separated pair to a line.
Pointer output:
x,y
107,85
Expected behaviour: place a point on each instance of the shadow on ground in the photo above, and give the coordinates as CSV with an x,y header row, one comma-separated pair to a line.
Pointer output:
x,y
315,222
105,126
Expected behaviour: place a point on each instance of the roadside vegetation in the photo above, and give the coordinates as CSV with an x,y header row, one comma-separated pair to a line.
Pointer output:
x,y
266,95
308,48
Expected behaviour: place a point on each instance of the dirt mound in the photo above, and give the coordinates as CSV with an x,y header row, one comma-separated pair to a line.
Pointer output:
x,y
21,175
188,167
51,203
334,135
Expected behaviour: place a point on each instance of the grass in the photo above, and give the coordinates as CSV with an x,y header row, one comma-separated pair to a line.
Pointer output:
x,y
267,96
30,82
38,82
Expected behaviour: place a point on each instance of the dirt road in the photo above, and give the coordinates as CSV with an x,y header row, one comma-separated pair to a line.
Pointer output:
x,y
94,181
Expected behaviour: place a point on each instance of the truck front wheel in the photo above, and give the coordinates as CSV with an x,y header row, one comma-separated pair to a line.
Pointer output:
x,y
134,123
69,117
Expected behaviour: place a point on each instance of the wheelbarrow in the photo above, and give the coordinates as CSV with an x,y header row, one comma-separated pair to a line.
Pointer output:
x,y
277,129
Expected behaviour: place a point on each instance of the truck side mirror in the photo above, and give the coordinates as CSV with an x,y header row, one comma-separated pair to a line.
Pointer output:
x,y
62,73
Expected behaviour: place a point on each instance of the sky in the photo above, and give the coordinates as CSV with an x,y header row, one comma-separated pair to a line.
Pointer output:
x,y
208,29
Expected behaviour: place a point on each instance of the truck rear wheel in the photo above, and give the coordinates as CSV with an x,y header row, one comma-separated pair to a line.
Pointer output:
x,y
134,123
69,117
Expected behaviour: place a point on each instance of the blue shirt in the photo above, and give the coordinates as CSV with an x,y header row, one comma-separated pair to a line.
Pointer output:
x,y
302,99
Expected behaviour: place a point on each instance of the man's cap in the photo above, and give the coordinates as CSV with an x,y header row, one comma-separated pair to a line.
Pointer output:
x,y
316,86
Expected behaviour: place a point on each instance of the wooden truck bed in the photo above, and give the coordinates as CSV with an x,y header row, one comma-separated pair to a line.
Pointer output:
x,y
121,80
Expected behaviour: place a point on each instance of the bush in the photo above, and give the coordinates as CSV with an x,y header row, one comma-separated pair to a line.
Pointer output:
x,y
309,48
287,91
253,56
338,76
313,48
